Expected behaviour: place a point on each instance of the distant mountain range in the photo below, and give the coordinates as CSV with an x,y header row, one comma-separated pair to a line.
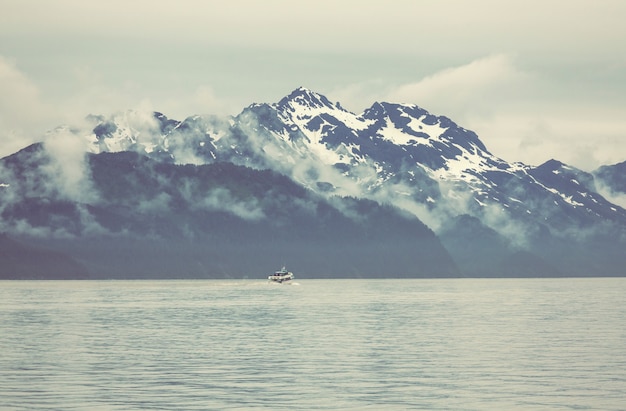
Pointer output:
x,y
392,192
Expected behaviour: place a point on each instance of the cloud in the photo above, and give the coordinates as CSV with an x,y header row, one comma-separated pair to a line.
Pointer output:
x,y
158,204
522,112
612,196
443,27
470,88
68,170
498,218
474,87
91,91
585,136
205,99
221,199
143,126
17,92
22,111
96,92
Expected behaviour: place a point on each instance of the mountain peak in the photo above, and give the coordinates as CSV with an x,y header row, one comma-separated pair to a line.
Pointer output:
x,y
552,165
303,97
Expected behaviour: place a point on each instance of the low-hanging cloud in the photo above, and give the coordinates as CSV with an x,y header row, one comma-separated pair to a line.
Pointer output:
x,y
610,194
221,199
68,170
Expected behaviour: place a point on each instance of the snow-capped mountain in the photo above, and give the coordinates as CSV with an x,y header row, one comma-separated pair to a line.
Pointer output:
x,y
393,153
397,154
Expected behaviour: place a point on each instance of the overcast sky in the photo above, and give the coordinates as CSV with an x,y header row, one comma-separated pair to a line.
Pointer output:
x,y
536,79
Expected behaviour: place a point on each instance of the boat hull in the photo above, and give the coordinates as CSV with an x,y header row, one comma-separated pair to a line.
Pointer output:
x,y
280,279
281,276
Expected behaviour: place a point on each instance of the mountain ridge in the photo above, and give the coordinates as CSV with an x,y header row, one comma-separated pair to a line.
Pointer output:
x,y
396,154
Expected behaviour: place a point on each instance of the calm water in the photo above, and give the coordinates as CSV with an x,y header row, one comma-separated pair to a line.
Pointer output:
x,y
557,344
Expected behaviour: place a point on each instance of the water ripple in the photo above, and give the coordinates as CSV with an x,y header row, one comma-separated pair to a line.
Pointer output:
x,y
326,345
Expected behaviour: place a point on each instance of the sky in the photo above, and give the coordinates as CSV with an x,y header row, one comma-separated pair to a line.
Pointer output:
x,y
535,79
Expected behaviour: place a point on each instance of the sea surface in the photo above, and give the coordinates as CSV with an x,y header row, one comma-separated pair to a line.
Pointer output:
x,y
460,344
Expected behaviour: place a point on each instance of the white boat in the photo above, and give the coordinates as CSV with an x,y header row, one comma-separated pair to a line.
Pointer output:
x,y
281,276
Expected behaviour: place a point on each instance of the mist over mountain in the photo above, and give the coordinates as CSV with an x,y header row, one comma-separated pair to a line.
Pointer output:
x,y
392,192
613,177
141,218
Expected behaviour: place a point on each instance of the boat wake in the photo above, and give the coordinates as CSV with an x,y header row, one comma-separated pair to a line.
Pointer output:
x,y
274,283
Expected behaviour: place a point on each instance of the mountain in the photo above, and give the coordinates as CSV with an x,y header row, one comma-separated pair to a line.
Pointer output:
x,y
613,177
137,217
22,261
495,218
